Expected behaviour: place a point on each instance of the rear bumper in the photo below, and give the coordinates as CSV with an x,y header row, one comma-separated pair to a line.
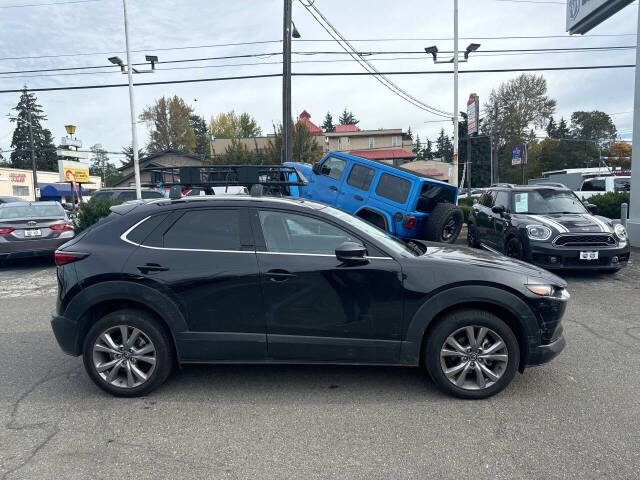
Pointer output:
x,y
569,258
67,334
31,248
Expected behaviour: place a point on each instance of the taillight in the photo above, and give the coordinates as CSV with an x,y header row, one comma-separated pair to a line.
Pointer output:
x,y
409,222
62,226
62,258
6,230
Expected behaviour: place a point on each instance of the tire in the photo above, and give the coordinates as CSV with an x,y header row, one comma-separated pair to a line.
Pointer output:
x,y
444,224
131,369
513,248
470,386
472,236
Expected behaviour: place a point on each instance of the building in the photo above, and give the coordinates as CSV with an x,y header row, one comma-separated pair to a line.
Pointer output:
x,y
15,182
390,145
168,158
434,169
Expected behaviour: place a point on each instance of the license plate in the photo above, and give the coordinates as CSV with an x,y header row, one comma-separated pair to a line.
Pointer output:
x,y
33,233
588,255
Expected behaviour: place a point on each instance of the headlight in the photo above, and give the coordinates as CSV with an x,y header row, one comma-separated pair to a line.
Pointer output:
x,y
549,291
621,232
538,232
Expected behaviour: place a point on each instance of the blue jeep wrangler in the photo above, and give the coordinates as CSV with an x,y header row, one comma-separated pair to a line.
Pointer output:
x,y
404,203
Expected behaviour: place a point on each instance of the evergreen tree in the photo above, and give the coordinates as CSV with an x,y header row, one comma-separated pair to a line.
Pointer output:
x,y
102,167
417,147
444,147
409,133
128,154
552,128
347,118
328,125
45,150
563,129
305,146
427,151
199,126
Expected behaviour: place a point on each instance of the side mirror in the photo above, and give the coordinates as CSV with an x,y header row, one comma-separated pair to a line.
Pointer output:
x,y
351,252
499,209
592,208
316,168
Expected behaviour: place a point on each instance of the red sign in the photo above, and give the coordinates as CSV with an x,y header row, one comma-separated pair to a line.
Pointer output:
x,y
18,177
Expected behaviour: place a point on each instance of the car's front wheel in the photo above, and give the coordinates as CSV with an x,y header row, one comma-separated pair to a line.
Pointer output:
x,y
472,354
127,353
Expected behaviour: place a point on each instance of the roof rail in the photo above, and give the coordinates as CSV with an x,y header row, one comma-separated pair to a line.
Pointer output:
x,y
275,178
507,185
553,184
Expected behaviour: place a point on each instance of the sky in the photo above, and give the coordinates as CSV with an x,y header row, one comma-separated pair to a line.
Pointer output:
x,y
86,33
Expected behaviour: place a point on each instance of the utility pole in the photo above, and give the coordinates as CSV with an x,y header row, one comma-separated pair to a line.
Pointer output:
x,y
468,160
33,156
132,106
287,146
455,91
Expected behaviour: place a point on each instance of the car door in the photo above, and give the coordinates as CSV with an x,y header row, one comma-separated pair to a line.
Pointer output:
x,y
204,259
354,192
328,181
318,308
500,221
482,213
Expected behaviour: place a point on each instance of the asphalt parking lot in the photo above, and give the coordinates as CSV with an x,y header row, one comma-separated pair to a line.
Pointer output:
x,y
578,417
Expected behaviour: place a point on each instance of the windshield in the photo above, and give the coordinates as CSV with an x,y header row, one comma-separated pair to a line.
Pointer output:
x,y
547,201
390,243
14,211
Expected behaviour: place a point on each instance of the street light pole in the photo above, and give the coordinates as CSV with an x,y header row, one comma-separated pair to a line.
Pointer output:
x,y
33,157
134,133
287,146
455,91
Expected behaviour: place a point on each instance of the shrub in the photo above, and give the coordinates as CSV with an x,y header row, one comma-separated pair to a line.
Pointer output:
x,y
609,203
93,211
468,201
466,211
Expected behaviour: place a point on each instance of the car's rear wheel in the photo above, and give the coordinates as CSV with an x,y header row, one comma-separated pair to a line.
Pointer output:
x,y
472,354
444,224
127,353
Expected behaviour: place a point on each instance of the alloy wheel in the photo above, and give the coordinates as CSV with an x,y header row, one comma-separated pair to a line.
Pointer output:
x,y
449,229
474,357
124,356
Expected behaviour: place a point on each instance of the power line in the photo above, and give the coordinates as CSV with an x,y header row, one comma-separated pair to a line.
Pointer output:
x,y
333,32
48,4
318,74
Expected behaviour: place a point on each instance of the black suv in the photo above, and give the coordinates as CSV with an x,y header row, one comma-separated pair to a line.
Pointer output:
x,y
547,225
254,279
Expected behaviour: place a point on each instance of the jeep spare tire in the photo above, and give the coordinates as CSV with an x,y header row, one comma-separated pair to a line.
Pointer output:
x,y
444,223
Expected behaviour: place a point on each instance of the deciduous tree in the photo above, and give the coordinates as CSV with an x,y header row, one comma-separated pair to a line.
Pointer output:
x,y
169,125
232,125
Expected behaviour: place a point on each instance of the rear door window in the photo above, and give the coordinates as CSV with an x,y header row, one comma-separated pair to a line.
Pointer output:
x,y
205,230
393,188
360,177
333,167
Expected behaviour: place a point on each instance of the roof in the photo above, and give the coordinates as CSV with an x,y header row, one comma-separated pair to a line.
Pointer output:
x,y
345,128
313,128
383,153
363,133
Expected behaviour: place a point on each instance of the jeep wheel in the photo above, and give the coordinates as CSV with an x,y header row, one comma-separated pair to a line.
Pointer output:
x,y
444,224
127,353
472,354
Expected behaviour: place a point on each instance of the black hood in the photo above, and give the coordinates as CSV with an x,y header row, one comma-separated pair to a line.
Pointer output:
x,y
569,222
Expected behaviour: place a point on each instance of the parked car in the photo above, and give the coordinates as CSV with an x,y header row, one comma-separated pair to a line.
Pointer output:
x,y
402,202
32,229
124,194
599,185
11,199
547,225
222,279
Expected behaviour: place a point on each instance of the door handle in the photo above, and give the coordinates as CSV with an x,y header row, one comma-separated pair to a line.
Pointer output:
x,y
358,197
151,267
279,275
334,188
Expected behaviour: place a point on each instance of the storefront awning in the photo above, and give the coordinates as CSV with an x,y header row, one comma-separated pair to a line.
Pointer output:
x,y
56,190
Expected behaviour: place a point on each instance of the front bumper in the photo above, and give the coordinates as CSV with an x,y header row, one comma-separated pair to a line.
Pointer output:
x,y
67,334
545,353
569,258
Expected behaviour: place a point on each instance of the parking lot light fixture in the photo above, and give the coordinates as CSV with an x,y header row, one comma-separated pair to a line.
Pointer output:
x,y
471,48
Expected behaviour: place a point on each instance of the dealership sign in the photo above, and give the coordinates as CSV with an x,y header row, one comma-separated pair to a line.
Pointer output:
x,y
473,113
583,15
517,155
73,171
